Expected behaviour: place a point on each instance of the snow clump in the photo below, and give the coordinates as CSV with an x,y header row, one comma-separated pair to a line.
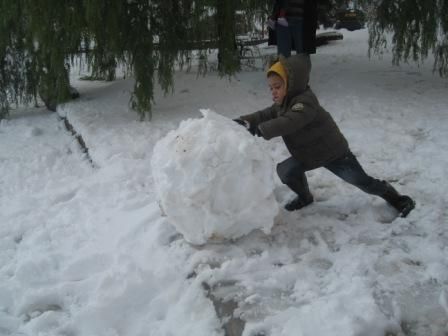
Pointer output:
x,y
213,179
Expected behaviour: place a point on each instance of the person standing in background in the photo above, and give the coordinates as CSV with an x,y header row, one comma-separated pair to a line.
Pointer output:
x,y
294,23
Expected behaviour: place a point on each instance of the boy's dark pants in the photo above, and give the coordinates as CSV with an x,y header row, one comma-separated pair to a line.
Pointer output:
x,y
292,174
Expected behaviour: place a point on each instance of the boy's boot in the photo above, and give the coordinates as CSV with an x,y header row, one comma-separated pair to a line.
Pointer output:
x,y
303,198
402,203
299,202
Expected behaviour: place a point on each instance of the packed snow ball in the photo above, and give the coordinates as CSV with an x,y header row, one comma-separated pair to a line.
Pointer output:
x,y
213,180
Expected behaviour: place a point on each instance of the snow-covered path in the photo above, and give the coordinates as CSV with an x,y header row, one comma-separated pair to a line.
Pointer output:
x,y
85,250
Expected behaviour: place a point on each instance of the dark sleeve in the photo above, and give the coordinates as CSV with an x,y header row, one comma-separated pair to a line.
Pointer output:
x,y
290,122
310,26
261,116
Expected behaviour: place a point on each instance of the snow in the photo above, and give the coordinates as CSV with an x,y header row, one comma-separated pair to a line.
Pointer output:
x,y
85,248
198,166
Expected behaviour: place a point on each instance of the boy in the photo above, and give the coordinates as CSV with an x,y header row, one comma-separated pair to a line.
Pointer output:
x,y
311,136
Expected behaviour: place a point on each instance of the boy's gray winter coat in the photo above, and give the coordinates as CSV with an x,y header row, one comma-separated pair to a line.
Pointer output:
x,y
309,132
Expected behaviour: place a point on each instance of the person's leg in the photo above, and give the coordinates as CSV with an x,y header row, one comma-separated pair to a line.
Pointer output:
x,y
283,40
296,31
350,170
293,175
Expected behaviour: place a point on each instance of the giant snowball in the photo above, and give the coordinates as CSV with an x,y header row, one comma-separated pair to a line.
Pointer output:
x,y
213,180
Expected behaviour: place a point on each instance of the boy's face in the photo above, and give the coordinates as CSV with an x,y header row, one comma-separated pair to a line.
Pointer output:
x,y
277,87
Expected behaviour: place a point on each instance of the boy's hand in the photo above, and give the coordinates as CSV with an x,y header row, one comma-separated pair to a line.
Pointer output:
x,y
241,122
271,23
255,131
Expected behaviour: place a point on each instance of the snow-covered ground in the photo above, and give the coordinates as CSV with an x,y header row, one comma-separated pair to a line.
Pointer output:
x,y
85,248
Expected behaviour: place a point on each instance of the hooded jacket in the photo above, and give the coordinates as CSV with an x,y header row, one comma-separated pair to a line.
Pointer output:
x,y
308,130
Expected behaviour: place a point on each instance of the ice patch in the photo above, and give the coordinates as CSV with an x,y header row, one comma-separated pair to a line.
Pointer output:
x,y
213,180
